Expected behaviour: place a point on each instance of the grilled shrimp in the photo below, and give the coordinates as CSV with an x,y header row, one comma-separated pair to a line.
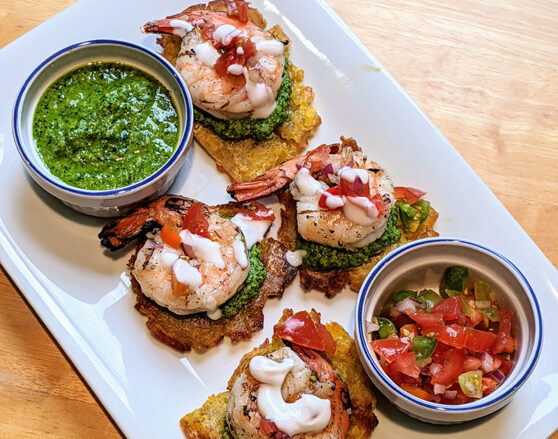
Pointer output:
x,y
232,68
310,375
343,199
196,274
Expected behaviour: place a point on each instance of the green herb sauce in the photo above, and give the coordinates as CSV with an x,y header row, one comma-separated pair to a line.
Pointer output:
x,y
259,129
251,286
323,258
105,125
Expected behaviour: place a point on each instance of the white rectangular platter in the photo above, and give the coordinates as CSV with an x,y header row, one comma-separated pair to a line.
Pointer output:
x,y
55,258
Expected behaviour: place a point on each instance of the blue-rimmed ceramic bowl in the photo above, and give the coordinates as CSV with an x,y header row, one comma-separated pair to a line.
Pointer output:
x,y
420,265
104,202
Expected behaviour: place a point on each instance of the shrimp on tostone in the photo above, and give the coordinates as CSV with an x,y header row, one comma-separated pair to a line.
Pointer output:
x,y
193,259
291,392
343,200
233,68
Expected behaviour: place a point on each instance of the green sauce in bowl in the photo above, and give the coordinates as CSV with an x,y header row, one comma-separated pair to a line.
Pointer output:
x,y
105,125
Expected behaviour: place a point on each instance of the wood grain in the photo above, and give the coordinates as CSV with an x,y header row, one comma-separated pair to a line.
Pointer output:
x,y
484,71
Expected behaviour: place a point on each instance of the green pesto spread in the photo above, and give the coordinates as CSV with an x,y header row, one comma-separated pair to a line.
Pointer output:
x,y
105,125
259,129
324,258
251,286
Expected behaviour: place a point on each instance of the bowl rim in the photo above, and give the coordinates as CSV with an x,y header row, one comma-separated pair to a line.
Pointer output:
x,y
180,148
431,406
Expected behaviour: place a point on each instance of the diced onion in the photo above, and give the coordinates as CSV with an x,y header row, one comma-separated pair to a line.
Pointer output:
x,y
439,389
450,394
498,375
483,304
487,362
409,304
357,185
328,169
435,369
371,327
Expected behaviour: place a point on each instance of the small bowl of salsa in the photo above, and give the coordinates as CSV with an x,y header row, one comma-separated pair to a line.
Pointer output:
x,y
103,125
447,329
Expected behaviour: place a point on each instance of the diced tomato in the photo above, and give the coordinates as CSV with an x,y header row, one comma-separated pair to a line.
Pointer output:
x,y
462,337
450,308
354,189
488,385
439,354
335,190
409,194
406,365
415,391
258,212
406,330
195,222
301,330
460,398
390,349
471,363
479,341
504,330
506,366
401,320
510,345
242,10
476,317
451,369
267,426
231,56
316,158
170,238
426,319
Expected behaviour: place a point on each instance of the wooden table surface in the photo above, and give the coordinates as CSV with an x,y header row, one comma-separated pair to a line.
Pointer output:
x,y
485,72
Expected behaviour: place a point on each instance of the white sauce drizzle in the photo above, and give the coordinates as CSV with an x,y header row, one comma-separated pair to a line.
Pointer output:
x,y
186,274
309,414
240,253
235,69
360,210
295,258
204,249
253,230
168,259
270,47
225,33
306,184
180,27
333,201
350,174
214,315
206,54
261,96
240,50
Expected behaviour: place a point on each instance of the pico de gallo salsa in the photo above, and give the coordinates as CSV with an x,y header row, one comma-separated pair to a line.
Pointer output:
x,y
451,347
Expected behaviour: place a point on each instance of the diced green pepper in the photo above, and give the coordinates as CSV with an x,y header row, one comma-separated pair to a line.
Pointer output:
x,y
429,298
471,383
403,294
423,207
386,327
409,216
482,291
451,293
456,277
492,313
423,347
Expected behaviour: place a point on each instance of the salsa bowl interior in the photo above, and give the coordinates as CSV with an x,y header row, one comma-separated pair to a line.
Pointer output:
x,y
420,265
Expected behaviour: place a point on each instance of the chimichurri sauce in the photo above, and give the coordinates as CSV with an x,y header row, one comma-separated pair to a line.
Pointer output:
x,y
105,125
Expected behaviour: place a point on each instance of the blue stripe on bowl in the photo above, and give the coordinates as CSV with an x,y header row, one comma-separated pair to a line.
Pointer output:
x,y
485,402
189,116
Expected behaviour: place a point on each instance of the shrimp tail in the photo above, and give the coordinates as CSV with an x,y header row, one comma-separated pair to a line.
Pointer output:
x,y
162,26
166,210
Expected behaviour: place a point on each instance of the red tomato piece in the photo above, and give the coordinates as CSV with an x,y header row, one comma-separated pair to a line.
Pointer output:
x,y
401,320
258,212
301,330
267,426
415,391
450,308
390,349
242,9
406,365
439,354
195,222
336,190
506,366
451,369
231,56
504,330
426,319
462,337
409,194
